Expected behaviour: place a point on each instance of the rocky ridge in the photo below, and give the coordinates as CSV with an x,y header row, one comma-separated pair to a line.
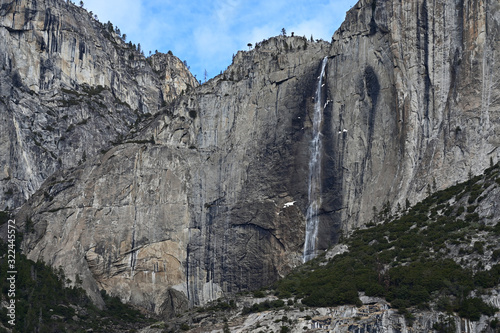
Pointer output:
x,y
69,87
210,197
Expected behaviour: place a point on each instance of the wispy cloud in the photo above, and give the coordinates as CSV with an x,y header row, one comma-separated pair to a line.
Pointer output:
x,y
207,33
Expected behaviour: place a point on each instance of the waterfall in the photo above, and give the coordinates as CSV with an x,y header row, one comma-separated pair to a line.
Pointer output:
x,y
314,188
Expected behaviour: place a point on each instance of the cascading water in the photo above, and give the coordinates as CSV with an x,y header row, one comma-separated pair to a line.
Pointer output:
x,y
314,191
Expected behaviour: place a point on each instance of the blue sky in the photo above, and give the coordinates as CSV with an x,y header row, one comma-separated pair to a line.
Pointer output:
x,y
207,33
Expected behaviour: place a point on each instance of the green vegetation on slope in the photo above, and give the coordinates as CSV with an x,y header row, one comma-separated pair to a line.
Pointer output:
x,y
430,256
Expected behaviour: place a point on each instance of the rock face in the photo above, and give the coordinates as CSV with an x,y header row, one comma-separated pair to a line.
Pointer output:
x,y
69,87
413,84
192,207
211,196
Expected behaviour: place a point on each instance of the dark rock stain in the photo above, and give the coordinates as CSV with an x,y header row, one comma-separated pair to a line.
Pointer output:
x,y
81,50
373,24
372,89
331,184
371,85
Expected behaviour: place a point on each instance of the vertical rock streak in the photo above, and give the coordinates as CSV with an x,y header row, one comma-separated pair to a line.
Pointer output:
x,y
314,186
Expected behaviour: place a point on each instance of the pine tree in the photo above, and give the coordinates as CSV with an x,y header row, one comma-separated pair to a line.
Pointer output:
x,y
109,26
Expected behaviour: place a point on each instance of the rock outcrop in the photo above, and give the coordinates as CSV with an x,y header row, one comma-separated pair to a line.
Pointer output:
x,y
69,87
211,196
375,316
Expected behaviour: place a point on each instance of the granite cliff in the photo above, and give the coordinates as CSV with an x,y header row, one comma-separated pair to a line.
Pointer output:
x,y
69,87
212,195
417,98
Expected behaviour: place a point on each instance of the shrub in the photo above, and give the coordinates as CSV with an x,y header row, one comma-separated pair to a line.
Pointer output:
x,y
471,208
259,307
479,247
472,308
4,217
472,217
495,255
445,326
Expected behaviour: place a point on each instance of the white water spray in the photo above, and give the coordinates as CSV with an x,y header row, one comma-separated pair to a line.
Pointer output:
x,y
314,191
